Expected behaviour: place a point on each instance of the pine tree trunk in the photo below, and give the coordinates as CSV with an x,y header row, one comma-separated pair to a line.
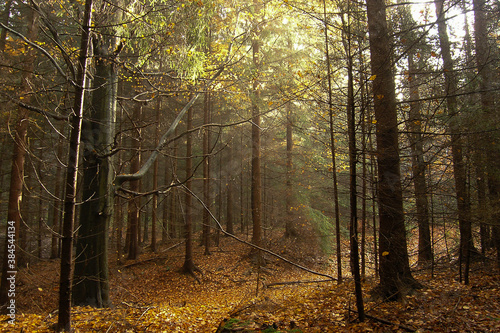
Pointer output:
x,y
483,60
17,174
206,174
457,145
229,195
134,186
395,274
189,266
333,152
425,256
256,185
65,284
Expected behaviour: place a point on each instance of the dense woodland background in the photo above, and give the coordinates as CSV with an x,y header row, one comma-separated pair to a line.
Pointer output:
x,y
355,141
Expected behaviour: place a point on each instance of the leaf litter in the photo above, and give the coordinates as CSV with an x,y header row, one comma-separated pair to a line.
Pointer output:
x,y
151,295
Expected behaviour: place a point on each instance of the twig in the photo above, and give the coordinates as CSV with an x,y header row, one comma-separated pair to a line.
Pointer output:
x,y
295,282
387,322
253,245
151,259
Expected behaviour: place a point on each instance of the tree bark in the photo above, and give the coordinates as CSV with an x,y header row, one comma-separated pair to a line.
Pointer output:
x,y
353,194
91,285
290,227
419,167
457,144
134,202
333,152
5,20
14,219
395,274
485,70
256,184
206,173
65,284
189,266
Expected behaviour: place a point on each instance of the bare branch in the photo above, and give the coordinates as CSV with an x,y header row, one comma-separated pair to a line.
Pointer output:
x,y
253,245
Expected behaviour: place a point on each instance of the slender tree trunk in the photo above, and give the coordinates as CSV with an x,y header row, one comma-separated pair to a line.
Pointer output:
x,y
14,220
5,20
135,202
66,277
419,167
189,266
364,175
154,215
173,216
333,152
353,193
395,274
457,144
256,188
483,60
206,174
229,194
56,206
290,227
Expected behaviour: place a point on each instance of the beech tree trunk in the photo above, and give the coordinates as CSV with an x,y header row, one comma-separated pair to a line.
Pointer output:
x,y
91,286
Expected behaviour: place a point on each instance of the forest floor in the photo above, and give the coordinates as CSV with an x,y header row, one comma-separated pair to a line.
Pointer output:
x,y
232,295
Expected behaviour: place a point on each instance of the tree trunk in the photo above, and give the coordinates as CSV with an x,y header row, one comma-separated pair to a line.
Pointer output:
x,y
395,274
457,145
5,20
189,266
229,194
135,202
483,60
333,152
65,284
154,213
206,174
91,268
425,256
290,227
256,185
56,206
13,226
353,194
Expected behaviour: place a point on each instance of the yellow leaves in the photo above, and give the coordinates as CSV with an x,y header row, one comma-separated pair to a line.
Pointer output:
x,y
380,96
385,253
372,78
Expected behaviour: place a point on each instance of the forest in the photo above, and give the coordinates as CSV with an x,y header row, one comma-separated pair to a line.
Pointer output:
x,y
250,166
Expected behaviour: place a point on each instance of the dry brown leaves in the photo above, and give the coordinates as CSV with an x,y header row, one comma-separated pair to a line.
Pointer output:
x,y
153,296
